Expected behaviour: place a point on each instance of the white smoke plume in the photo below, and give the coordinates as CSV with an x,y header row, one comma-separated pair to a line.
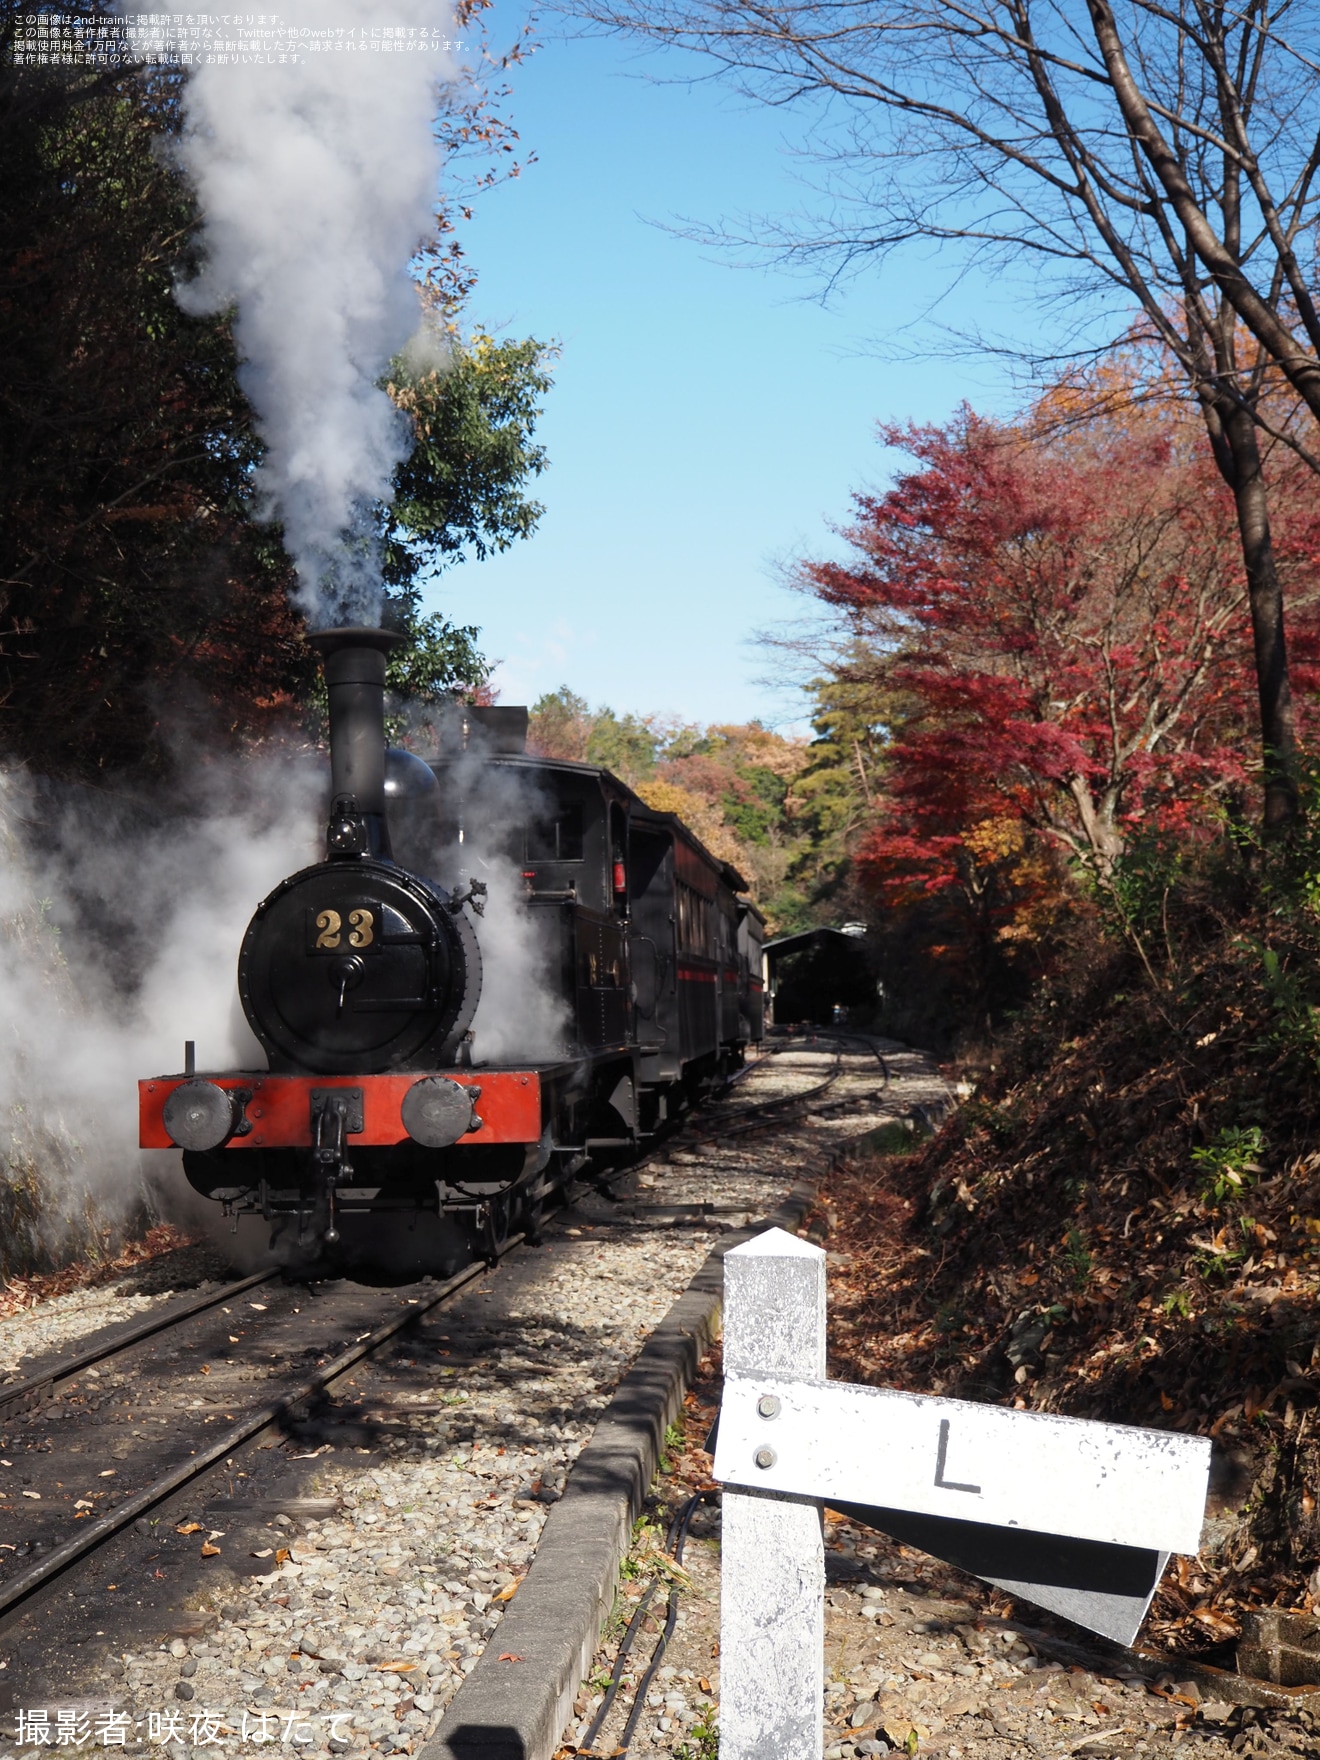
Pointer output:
x,y
120,927
120,935
317,182
523,1015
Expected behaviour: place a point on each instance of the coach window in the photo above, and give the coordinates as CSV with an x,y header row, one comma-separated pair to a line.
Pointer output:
x,y
693,920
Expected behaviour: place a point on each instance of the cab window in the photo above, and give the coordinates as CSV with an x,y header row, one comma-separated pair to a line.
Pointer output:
x,y
556,838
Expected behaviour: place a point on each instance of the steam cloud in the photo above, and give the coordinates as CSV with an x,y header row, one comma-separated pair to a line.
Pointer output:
x,y
119,932
318,182
522,1015
120,926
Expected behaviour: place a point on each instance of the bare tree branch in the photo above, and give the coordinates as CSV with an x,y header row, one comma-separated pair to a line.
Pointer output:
x,y
1164,150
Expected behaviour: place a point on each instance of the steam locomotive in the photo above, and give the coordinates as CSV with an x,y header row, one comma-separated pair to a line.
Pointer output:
x,y
622,979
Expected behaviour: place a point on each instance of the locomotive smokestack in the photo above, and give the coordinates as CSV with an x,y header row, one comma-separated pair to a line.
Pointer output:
x,y
354,661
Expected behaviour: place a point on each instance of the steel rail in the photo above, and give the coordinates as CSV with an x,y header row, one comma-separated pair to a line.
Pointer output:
x,y
731,1123
782,1099
19,1589
25,1394
741,1075
686,1135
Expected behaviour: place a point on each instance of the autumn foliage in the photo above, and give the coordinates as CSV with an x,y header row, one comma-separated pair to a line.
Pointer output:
x,y
733,785
1059,621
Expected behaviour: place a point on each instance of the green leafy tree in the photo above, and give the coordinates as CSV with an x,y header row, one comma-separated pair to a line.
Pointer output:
x,y
626,744
138,590
559,725
730,784
460,491
745,773
439,659
132,577
834,793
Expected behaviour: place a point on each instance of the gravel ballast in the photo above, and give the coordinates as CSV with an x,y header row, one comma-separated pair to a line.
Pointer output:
x,y
382,1608
919,1658
388,1592
47,1326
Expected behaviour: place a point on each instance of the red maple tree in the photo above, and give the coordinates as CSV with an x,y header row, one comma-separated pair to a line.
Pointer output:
x,y
1065,620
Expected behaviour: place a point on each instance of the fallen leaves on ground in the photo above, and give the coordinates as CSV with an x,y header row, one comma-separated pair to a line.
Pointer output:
x,y
1101,1232
27,1292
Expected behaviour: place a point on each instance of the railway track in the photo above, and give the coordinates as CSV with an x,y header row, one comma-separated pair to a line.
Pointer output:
x,y
402,1445
742,1118
26,1395
766,1114
43,1553
56,1557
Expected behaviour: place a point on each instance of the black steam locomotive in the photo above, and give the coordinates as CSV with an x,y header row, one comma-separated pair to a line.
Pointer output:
x,y
622,978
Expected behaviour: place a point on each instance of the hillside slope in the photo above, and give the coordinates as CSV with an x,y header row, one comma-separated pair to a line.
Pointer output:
x,y
1124,1224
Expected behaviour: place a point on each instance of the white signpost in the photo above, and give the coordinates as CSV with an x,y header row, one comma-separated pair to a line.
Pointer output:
x,y
1078,1517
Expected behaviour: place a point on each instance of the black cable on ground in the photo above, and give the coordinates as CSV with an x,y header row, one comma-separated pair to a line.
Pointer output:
x,y
675,1542
616,1677
644,1685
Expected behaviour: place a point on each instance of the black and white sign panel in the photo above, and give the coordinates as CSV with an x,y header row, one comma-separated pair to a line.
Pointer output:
x,y
1107,1589
978,1463
1076,1516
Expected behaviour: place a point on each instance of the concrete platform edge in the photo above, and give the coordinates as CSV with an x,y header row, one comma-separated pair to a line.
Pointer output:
x,y
518,1710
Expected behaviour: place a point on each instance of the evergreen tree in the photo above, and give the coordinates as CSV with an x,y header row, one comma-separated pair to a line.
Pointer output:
x,y
138,590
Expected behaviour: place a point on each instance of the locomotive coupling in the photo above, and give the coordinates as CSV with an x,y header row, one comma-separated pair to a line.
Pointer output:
x,y
202,1115
335,1113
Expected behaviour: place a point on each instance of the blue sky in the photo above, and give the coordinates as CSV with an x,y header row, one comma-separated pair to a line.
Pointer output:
x,y
707,422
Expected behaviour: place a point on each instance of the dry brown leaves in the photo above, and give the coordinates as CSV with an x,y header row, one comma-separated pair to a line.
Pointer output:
x,y
1054,1248
27,1292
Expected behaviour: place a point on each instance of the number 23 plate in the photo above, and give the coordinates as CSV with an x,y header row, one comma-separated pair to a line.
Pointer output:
x,y
344,928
